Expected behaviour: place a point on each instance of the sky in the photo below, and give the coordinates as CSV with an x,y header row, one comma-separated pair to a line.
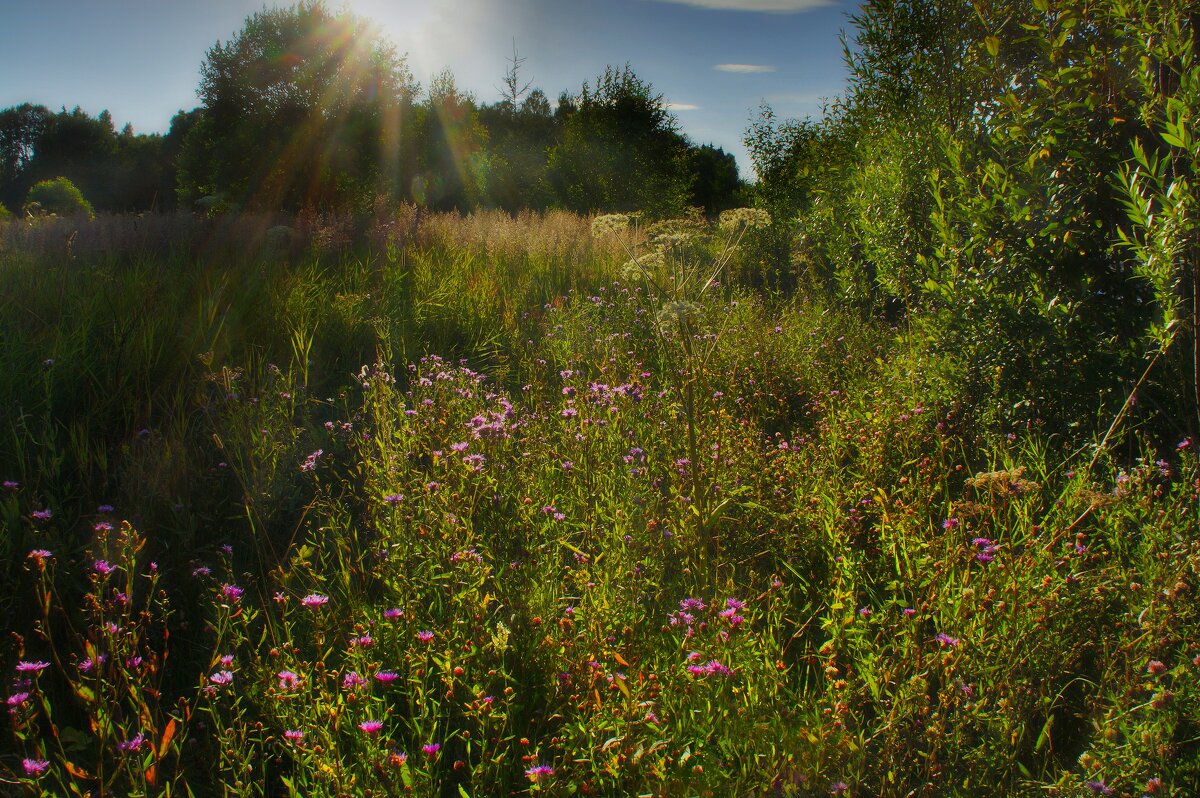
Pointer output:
x,y
714,61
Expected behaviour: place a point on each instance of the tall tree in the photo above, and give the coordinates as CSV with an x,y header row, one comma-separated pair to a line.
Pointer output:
x,y
20,129
621,149
302,106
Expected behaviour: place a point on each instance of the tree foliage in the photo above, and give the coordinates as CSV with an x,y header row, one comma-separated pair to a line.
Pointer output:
x,y
1002,174
304,106
58,196
621,149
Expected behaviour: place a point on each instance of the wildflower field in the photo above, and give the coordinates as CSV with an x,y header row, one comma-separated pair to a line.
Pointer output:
x,y
483,506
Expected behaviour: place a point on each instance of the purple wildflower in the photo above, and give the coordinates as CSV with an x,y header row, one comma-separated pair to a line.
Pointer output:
x,y
232,593
538,773
34,767
431,749
42,515
314,600
946,641
31,667
104,567
288,680
310,462
39,556
134,743
386,677
425,636
221,678
371,726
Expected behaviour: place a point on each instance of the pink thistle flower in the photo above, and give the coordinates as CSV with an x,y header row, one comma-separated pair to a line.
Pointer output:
x,y
39,556
371,726
352,680
386,677
34,767
31,667
288,680
135,743
232,593
431,749
17,699
425,636
221,678
104,567
393,614
293,735
310,462
946,641
539,773
314,600
42,515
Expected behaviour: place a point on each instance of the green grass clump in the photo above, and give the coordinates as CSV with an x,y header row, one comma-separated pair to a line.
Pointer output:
x,y
499,507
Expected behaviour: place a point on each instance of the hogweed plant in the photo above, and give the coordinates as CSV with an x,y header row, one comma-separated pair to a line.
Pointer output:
x,y
681,272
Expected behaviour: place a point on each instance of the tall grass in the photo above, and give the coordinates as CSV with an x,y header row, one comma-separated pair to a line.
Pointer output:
x,y
409,506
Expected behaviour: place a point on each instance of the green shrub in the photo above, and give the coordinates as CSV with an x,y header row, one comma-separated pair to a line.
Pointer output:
x,y
5,215
59,196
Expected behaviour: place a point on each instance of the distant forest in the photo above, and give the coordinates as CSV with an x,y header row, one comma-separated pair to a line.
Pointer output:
x,y
288,120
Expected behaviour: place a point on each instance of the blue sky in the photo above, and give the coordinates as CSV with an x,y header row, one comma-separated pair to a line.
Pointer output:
x,y
715,61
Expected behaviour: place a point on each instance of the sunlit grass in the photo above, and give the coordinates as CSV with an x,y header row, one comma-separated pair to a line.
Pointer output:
x,y
411,508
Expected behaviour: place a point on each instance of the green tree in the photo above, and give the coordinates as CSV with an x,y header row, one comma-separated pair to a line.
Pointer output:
x,y
303,106
621,149
716,186
453,152
521,135
20,128
59,196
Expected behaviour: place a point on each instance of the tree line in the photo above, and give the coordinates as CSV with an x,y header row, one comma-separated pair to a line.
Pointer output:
x,y
308,107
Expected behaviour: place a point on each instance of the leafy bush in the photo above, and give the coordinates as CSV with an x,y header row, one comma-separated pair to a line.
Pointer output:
x,y
58,196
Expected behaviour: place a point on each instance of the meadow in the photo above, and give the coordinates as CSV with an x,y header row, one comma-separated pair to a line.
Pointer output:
x,y
550,504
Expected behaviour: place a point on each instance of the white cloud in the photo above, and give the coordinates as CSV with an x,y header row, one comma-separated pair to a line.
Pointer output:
x,y
682,107
768,6
744,69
